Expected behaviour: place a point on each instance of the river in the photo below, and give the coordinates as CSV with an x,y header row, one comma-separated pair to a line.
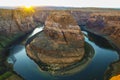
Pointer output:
x,y
27,68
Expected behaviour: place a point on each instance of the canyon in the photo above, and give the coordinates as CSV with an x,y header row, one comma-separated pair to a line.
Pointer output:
x,y
15,23
102,21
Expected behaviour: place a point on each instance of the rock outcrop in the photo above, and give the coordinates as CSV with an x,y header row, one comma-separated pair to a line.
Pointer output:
x,y
16,23
107,24
61,43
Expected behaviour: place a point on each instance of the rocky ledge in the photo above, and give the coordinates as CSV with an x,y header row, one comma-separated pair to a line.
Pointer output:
x,y
60,44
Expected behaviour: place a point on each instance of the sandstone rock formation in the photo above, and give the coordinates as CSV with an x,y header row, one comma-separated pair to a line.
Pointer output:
x,y
61,43
19,20
107,24
15,23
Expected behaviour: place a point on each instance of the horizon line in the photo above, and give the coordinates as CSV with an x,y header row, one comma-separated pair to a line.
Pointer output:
x,y
64,6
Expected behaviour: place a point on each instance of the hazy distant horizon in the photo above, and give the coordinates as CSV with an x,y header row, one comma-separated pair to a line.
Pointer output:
x,y
64,3
14,7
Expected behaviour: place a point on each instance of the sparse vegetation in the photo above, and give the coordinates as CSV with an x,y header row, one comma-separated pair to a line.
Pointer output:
x,y
5,75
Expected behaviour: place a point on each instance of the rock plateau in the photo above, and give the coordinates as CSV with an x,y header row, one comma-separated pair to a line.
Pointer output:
x,y
60,44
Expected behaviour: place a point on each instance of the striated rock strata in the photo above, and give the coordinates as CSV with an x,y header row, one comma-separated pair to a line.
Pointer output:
x,y
61,43
15,23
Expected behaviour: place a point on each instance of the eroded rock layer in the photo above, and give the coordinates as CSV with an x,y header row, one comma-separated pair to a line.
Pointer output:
x,y
61,43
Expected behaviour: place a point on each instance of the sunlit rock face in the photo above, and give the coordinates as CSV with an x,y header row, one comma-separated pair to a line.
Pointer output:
x,y
20,20
61,43
15,23
63,29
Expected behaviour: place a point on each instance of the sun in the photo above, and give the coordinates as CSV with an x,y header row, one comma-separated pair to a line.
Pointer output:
x,y
28,6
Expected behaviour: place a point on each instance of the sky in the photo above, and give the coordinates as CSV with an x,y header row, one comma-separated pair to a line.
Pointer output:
x,y
65,3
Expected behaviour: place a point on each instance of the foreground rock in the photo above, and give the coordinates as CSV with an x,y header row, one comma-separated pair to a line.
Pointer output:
x,y
61,43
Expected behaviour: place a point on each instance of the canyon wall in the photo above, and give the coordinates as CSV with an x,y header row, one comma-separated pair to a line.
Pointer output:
x,y
106,24
16,23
